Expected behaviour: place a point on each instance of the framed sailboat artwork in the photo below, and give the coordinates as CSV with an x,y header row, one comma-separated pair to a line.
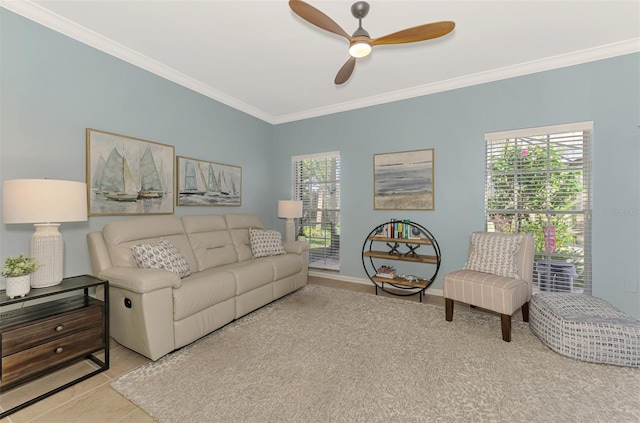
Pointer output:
x,y
127,176
203,183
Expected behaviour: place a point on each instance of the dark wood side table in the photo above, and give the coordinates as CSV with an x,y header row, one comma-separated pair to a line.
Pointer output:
x,y
57,331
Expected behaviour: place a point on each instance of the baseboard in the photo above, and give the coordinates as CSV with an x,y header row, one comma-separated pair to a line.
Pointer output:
x,y
343,278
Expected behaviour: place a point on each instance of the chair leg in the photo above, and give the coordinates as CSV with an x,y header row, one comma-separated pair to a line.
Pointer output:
x,y
525,312
448,309
506,327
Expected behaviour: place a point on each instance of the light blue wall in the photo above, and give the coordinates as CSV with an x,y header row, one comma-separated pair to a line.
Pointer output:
x,y
454,124
52,88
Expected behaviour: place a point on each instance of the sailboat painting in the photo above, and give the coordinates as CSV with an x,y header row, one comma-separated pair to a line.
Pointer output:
x,y
203,183
127,175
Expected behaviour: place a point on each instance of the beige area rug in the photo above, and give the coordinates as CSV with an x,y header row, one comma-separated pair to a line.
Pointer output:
x,y
329,355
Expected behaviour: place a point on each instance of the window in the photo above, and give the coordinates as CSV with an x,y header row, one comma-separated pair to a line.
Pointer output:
x,y
538,182
316,181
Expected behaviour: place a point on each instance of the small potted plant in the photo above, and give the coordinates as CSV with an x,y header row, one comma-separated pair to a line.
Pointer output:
x,y
301,235
16,270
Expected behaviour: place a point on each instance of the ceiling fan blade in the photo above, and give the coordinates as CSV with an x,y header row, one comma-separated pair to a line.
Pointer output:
x,y
417,33
316,17
345,71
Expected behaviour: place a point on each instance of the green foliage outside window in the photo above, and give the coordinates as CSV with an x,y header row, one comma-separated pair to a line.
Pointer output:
x,y
534,182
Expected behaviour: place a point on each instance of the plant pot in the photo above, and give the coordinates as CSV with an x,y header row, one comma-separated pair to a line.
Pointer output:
x,y
18,286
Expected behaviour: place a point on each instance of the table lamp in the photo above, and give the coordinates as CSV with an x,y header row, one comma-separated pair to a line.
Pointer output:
x,y
289,209
42,201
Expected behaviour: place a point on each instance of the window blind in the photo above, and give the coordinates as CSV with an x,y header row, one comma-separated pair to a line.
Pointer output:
x,y
316,181
538,181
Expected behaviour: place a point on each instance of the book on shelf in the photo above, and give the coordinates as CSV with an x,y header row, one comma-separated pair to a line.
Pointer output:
x,y
398,228
388,272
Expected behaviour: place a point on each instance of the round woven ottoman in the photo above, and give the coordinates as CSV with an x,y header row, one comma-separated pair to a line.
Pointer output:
x,y
586,328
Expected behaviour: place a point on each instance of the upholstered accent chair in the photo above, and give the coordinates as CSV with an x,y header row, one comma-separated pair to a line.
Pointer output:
x,y
497,277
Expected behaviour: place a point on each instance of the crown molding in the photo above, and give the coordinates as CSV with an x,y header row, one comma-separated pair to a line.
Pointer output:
x,y
62,25
71,29
549,63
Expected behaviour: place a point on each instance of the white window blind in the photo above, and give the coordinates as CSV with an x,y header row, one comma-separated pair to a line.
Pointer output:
x,y
538,182
316,181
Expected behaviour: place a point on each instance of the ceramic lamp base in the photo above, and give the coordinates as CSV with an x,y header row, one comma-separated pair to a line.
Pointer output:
x,y
290,230
46,246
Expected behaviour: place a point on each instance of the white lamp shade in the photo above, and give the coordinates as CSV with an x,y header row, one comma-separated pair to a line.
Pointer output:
x,y
43,200
289,208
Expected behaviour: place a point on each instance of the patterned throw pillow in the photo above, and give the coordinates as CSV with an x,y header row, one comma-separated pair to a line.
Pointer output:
x,y
495,254
161,255
265,243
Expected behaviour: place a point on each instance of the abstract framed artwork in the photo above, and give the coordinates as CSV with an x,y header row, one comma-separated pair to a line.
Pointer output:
x,y
204,183
403,180
128,176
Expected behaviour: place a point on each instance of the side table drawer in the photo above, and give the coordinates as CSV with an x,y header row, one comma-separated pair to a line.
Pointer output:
x,y
42,357
39,331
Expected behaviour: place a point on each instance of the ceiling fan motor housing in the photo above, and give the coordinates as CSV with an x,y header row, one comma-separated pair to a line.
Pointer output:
x,y
360,9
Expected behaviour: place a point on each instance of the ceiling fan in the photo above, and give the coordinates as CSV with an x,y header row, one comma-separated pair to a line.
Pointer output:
x,y
360,43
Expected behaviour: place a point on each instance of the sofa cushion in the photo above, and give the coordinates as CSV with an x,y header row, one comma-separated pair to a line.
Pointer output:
x,y
210,240
265,243
494,253
202,290
161,255
121,235
250,274
284,265
238,225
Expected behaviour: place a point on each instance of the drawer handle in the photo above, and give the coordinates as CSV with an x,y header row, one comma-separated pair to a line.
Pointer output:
x,y
59,328
59,350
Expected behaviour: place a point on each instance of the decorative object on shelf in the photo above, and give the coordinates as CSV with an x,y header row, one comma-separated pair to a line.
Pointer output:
x,y
399,238
393,249
17,270
42,201
412,250
127,176
404,180
290,209
203,183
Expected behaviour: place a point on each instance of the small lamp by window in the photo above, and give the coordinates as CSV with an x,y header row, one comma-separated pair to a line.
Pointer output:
x,y
289,209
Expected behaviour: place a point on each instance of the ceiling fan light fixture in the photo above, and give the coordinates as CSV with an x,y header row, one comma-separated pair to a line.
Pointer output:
x,y
360,48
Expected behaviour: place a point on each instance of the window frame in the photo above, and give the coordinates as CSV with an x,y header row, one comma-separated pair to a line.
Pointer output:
x,y
567,166
320,223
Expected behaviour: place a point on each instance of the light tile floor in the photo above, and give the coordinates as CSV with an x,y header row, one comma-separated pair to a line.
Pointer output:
x,y
94,401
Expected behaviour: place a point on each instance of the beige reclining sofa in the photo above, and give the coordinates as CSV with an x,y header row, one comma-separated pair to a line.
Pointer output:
x,y
155,311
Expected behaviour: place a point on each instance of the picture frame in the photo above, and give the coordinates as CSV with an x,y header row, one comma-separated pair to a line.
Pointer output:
x,y
206,183
127,175
404,180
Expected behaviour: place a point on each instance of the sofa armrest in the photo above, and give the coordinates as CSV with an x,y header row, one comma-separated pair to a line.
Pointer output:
x,y
140,280
296,247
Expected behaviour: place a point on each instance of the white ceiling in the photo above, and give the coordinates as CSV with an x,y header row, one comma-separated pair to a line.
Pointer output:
x,y
261,58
